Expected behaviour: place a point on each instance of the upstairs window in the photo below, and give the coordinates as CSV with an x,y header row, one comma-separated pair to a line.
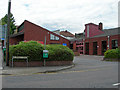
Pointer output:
x,y
53,37
21,28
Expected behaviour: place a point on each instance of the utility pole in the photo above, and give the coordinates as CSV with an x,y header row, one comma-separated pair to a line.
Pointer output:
x,y
108,42
8,34
45,49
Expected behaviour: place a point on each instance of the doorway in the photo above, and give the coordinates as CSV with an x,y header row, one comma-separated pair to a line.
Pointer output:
x,y
94,48
104,46
87,48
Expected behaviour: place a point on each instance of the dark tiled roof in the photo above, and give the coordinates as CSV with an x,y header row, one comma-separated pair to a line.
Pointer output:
x,y
109,32
77,39
79,35
66,34
19,33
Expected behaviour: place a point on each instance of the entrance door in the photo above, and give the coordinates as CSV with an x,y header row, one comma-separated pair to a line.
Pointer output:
x,y
87,48
104,47
71,46
94,48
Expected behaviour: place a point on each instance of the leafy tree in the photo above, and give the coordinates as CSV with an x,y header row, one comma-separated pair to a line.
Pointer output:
x,y
12,22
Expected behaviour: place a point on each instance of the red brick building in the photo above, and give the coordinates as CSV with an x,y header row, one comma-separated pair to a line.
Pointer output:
x,y
95,40
28,31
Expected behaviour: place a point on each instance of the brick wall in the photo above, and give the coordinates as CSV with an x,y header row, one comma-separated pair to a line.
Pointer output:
x,y
37,33
99,43
93,30
16,40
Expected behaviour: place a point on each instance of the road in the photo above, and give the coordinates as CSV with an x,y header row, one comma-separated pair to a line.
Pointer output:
x,y
89,72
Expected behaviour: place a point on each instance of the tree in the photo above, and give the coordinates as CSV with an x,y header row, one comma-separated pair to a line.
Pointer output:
x,y
12,22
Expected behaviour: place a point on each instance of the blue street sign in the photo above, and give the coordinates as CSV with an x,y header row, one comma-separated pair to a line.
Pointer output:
x,y
3,29
64,44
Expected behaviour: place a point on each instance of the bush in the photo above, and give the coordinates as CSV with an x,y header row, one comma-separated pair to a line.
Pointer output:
x,y
113,53
35,51
31,49
59,52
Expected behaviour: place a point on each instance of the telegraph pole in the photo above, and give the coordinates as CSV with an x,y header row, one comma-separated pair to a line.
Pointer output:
x,y
8,34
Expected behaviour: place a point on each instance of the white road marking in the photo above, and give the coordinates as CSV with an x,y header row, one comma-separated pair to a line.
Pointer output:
x,y
116,84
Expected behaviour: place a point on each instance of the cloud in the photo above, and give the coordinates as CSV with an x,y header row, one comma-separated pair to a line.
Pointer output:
x,y
64,14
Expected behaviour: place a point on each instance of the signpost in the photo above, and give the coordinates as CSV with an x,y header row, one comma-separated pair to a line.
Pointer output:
x,y
45,52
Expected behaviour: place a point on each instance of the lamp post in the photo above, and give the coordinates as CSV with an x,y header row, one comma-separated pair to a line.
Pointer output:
x,y
83,46
8,34
108,41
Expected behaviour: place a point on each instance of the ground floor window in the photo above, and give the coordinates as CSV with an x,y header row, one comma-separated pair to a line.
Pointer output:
x,y
114,44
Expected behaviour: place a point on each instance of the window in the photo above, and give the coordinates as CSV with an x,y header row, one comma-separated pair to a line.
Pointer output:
x,y
53,37
21,28
114,44
87,30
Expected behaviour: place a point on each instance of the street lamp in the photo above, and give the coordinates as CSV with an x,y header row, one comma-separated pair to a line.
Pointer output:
x,y
108,41
8,34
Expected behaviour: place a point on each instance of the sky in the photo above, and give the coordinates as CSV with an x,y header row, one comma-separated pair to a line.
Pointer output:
x,y
71,15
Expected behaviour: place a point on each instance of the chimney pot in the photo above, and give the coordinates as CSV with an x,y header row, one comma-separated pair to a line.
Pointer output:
x,y
100,26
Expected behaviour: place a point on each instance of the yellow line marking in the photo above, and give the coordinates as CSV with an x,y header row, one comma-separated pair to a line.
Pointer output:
x,y
54,72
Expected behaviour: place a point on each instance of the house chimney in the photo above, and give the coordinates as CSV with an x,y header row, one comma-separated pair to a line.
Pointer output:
x,y
65,30
100,26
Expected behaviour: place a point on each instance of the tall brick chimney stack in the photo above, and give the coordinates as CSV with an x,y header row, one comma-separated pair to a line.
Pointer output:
x,y
100,26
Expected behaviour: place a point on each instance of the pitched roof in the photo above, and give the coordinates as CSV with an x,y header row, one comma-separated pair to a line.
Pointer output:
x,y
66,34
110,32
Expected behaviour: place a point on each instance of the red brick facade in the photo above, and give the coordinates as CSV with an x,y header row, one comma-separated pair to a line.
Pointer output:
x,y
93,30
37,33
99,43
96,40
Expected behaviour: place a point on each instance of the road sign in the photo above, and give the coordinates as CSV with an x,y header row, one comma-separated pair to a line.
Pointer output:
x,y
3,30
64,44
45,53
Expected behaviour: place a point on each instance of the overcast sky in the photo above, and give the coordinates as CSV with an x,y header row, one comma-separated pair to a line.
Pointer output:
x,y
69,15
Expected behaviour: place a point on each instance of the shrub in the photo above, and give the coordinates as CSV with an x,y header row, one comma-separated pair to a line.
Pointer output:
x,y
35,51
59,52
31,49
113,53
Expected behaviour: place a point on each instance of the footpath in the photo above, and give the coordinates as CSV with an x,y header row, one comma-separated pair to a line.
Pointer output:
x,y
32,70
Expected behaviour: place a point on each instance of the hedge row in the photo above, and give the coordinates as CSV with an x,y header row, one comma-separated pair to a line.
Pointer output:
x,y
34,51
113,53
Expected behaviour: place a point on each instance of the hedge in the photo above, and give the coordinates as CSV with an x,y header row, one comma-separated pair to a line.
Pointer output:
x,y
31,49
34,51
113,53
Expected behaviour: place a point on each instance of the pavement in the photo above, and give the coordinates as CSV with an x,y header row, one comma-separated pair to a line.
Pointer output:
x,y
32,70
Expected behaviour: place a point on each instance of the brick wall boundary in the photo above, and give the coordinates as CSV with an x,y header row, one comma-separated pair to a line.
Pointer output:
x,y
40,63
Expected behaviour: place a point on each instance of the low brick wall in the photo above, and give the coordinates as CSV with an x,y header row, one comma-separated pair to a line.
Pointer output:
x,y
76,53
40,63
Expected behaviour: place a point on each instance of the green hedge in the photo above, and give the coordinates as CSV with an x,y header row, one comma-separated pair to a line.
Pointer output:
x,y
59,52
35,51
31,49
112,53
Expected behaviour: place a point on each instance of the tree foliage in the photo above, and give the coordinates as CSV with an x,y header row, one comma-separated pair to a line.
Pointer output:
x,y
12,22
